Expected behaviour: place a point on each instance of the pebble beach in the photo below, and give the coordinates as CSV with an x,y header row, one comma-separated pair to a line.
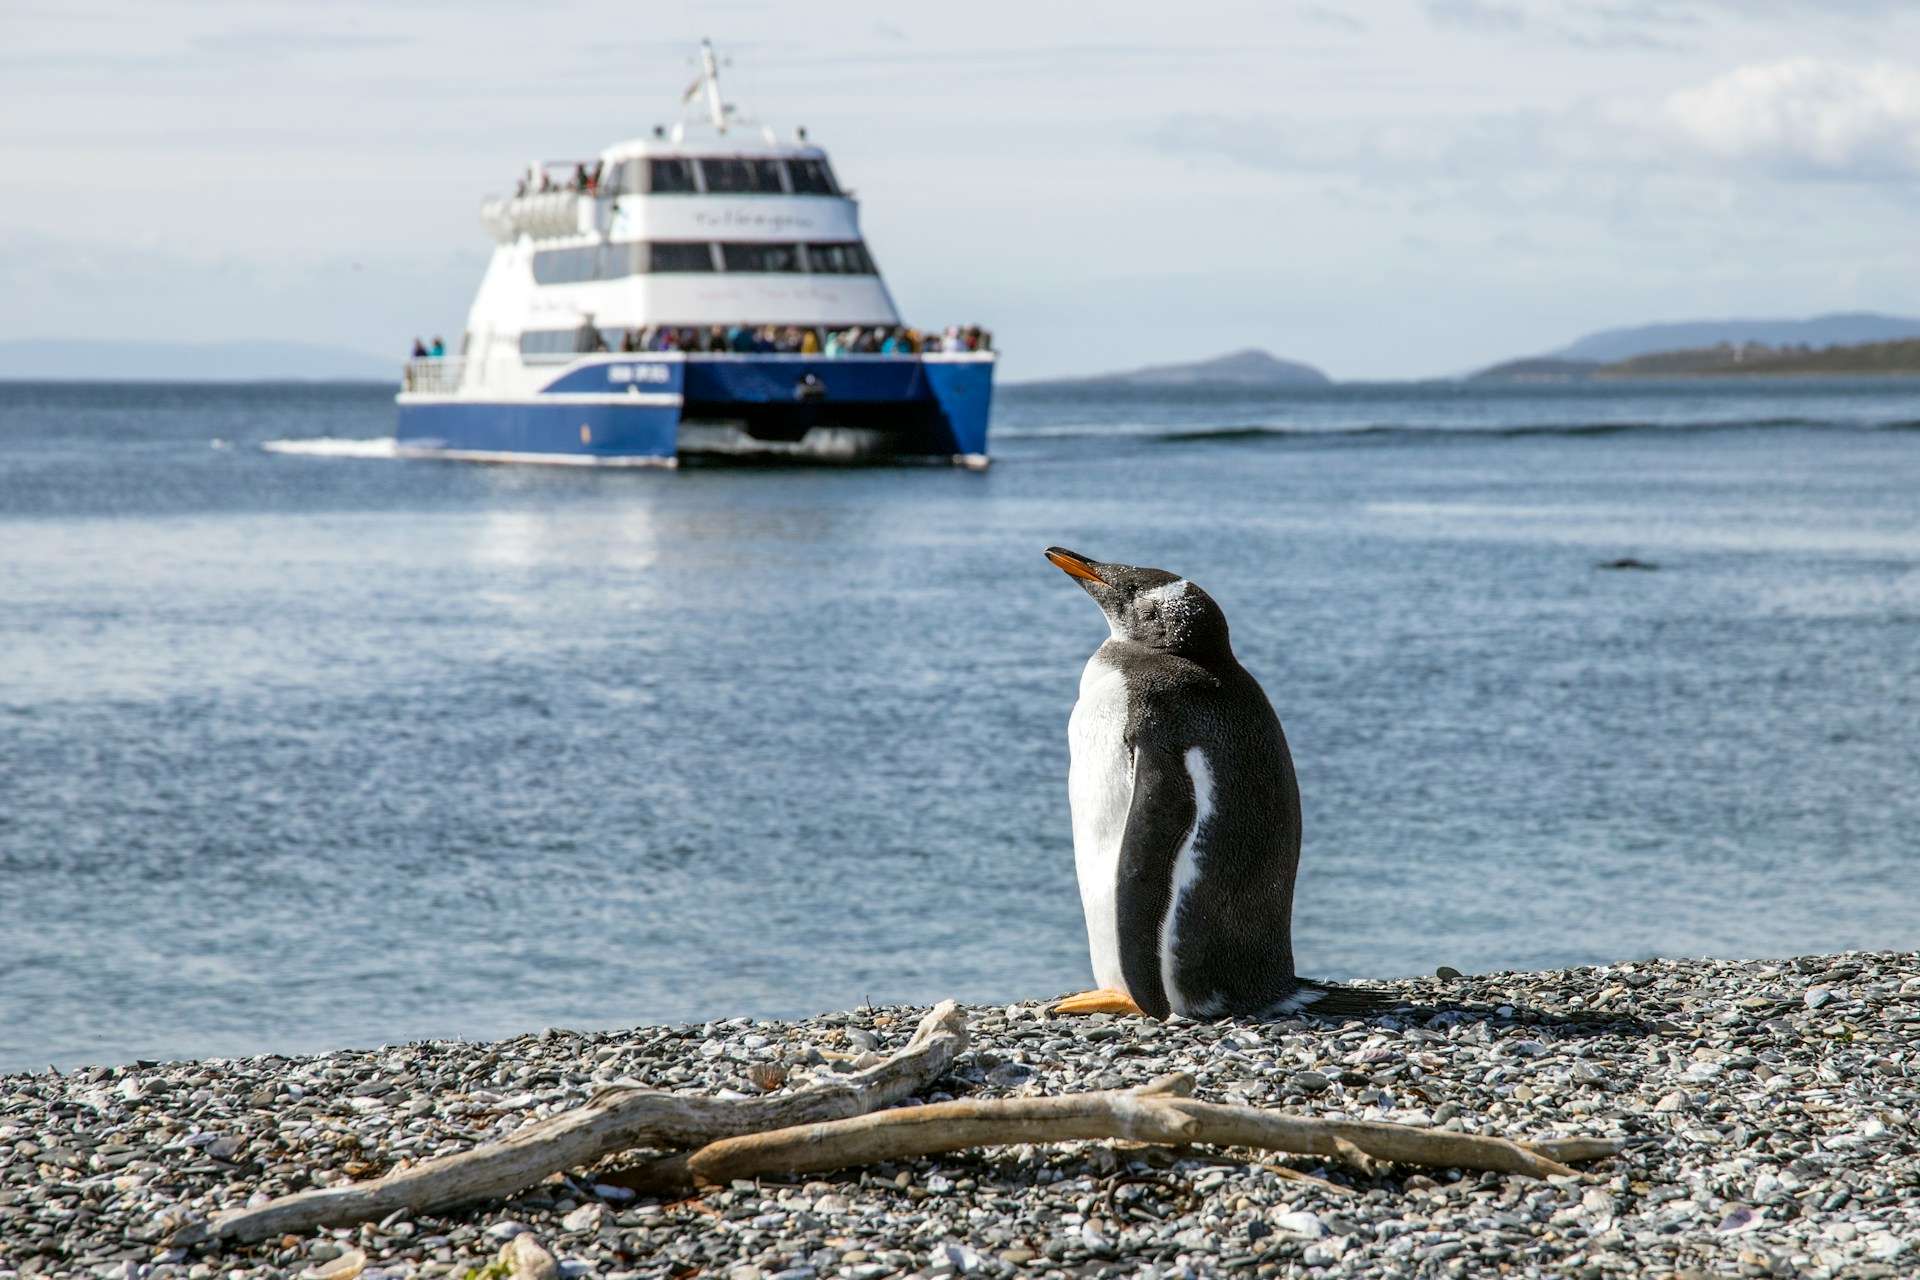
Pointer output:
x,y
1770,1107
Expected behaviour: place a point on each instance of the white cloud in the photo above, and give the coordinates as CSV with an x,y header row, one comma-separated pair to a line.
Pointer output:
x,y
1807,117
1476,15
1795,120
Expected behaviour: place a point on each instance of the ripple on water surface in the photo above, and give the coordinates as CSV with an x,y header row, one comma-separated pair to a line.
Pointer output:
x,y
306,746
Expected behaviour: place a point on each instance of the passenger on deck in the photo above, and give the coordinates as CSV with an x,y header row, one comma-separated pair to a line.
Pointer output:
x,y
419,349
833,347
809,342
438,349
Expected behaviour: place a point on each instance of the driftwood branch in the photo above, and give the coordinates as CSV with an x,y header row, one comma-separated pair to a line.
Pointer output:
x,y
672,1175
1154,1114
614,1119
841,1123
1294,1175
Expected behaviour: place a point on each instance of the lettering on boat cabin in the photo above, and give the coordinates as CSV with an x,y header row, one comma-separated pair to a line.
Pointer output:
x,y
751,219
638,373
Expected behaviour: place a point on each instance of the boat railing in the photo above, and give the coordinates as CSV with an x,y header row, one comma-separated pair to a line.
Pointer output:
x,y
435,375
539,214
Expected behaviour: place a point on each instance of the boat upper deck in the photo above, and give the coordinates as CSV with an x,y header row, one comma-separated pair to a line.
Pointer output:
x,y
709,236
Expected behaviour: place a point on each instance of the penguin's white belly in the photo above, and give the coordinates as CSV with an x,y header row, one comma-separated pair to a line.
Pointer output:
x,y
1100,793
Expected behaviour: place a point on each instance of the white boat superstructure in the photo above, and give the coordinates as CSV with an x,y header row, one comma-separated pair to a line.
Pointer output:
x,y
713,222
729,257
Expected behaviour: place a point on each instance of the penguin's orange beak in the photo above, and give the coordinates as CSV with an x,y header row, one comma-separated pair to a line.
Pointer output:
x,y
1074,566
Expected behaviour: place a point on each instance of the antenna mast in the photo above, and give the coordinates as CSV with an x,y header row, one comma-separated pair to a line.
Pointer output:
x,y
710,68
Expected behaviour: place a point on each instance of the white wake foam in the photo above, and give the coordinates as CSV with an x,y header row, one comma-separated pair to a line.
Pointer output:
x,y
335,447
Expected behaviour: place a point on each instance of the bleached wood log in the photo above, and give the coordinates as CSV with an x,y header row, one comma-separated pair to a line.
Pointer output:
x,y
1575,1150
1154,1114
1294,1175
671,1175
615,1119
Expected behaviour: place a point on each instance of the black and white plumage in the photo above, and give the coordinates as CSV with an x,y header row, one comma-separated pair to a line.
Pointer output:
x,y
1186,813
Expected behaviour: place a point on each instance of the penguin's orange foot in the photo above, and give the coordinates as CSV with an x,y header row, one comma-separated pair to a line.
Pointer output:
x,y
1105,1000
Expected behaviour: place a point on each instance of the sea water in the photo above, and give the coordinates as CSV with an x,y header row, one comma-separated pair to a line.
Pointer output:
x,y
304,746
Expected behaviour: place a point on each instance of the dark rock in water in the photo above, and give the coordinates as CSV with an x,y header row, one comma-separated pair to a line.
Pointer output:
x,y
1626,562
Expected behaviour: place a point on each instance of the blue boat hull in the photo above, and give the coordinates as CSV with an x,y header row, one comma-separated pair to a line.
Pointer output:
x,y
629,409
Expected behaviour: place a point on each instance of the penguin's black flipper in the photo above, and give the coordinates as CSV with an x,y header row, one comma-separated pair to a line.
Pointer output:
x,y
1158,822
1329,1000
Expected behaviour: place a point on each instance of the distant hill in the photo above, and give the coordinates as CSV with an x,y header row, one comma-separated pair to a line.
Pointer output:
x,y
113,359
1249,368
1869,358
1841,329
1537,369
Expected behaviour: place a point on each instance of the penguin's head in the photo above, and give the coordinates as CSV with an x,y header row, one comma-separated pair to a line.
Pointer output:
x,y
1149,606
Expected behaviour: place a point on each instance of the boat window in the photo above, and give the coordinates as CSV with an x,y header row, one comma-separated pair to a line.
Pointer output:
x,y
811,178
586,263
566,266
557,342
676,255
760,257
669,175
849,259
733,176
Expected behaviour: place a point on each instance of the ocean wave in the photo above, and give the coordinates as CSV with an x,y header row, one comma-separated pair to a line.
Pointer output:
x,y
335,447
1385,431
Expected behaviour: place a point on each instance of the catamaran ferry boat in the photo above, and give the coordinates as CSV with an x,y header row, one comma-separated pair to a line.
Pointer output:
x,y
702,290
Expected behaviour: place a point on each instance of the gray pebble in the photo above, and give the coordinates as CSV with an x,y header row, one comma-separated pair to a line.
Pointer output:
x,y
1770,1108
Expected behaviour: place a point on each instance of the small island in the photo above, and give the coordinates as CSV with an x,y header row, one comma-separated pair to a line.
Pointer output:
x,y
1251,369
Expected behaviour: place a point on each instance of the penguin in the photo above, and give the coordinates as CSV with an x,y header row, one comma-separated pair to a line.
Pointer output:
x,y
1186,814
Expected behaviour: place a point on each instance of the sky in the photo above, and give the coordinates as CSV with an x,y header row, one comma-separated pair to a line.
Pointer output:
x,y
1386,189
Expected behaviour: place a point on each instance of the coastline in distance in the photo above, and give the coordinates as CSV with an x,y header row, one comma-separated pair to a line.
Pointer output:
x,y
1249,368
1842,344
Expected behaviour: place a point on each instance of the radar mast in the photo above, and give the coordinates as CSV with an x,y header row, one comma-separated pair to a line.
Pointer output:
x,y
708,85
